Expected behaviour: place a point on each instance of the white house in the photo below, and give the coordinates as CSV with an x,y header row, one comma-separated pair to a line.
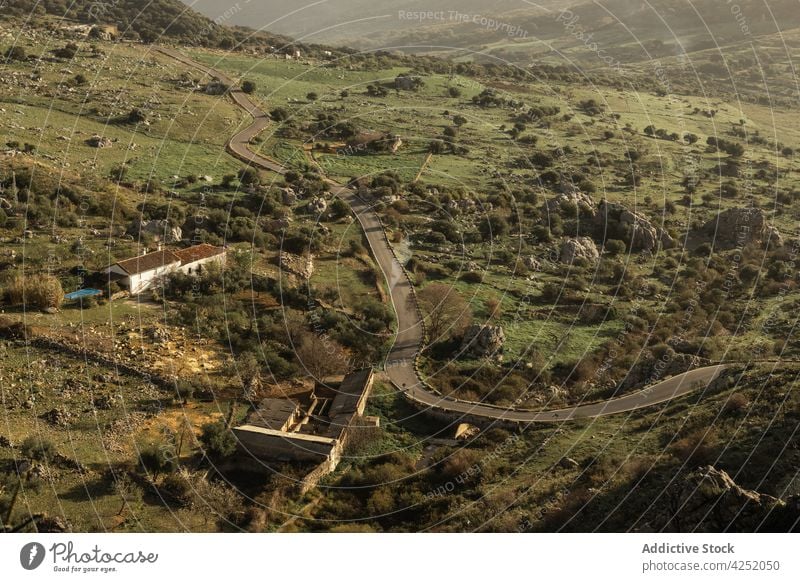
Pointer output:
x,y
140,273
196,258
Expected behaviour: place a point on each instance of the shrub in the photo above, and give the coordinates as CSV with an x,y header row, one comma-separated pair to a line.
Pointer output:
x,y
16,53
38,449
218,441
40,291
158,458
248,87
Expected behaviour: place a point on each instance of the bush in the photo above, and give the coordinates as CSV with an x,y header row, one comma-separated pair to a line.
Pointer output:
x,y
248,87
16,53
472,277
218,441
615,247
158,458
40,291
38,449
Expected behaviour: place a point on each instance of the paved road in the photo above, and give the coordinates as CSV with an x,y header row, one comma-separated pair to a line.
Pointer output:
x,y
400,362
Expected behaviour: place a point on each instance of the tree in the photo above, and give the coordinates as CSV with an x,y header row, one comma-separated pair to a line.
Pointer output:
x,y
158,458
493,226
136,115
454,92
218,440
66,52
312,96
321,356
249,86
339,209
279,114
691,138
446,312
650,130
185,390
249,177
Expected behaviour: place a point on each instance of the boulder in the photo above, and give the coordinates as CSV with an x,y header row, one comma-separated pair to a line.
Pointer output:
x,y
297,265
289,196
737,227
161,229
484,341
317,206
649,370
98,141
570,197
709,500
568,463
641,234
532,263
579,248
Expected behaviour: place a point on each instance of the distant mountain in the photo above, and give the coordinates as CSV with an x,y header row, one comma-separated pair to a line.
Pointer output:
x,y
349,21
521,31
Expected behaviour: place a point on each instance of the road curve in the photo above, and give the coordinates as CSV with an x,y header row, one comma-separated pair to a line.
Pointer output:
x,y
401,361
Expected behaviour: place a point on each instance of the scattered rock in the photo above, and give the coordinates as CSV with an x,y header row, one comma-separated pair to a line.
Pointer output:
x,y
484,341
640,233
737,227
161,229
317,206
466,431
574,198
98,141
532,263
708,500
650,370
57,417
579,248
300,266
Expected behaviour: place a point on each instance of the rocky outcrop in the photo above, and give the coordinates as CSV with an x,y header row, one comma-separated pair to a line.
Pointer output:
x,y
297,265
570,199
649,369
577,248
709,500
737,227
160,229
484,341
609,220
640,233
98,141
317,206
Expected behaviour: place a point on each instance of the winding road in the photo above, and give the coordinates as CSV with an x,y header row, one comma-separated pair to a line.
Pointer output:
x,y
401,361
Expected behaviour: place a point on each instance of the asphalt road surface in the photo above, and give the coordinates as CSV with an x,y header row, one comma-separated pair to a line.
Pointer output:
x,y
400,364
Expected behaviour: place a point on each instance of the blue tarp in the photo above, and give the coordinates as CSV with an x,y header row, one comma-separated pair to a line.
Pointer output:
x,y
81,293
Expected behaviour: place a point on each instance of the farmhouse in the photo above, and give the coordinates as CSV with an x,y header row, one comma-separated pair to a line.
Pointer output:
x,y
283,430
140,273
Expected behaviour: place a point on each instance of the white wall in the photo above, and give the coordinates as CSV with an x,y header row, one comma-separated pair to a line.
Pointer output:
x,y
143,281
191,268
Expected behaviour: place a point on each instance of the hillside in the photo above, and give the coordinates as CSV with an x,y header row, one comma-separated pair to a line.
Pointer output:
x,y
567,242
146,20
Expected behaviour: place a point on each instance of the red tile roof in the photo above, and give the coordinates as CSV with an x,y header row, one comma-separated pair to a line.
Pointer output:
x,y
148,262
198,253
